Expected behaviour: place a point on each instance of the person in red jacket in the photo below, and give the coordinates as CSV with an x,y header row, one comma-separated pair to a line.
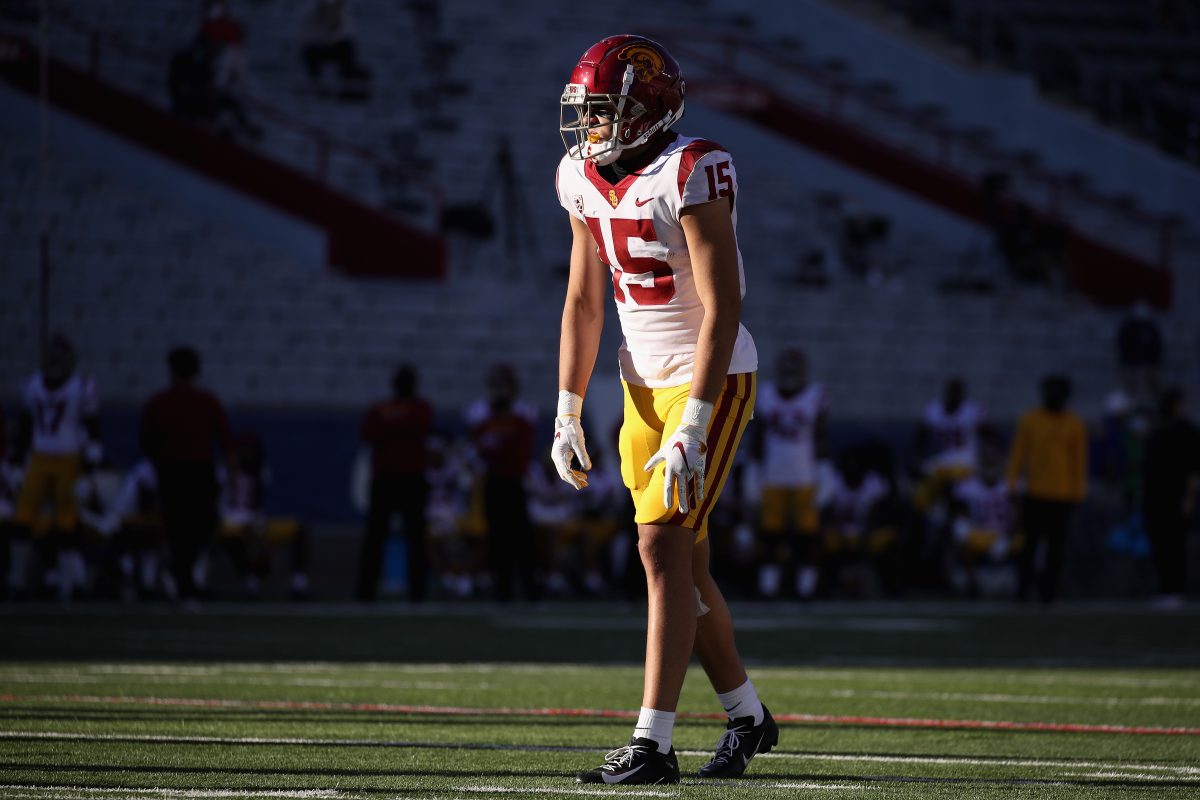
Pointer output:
x,y
502,431
183,430
397,431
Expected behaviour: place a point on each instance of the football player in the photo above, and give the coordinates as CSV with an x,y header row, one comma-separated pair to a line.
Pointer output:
x,y
982,525
653,218
247,533
60,428
948,437
502,432
860,526
792,416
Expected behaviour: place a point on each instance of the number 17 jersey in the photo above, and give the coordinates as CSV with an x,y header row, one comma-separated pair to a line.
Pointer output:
x,y
636,226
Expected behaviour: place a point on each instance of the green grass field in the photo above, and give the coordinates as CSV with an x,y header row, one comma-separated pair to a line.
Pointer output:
x,y
904,701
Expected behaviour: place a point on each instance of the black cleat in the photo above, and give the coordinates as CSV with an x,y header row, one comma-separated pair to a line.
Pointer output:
x,y
742,741
638,762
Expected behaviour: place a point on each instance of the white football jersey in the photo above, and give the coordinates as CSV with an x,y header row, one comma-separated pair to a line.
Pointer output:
x,y
954,435
851,506
58,414
789,425
987,506
638,234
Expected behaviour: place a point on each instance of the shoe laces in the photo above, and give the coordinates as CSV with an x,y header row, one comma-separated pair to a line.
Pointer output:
x,y
622,757
728,744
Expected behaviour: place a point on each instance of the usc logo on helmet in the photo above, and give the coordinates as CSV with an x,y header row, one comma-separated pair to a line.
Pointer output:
x,y
645,60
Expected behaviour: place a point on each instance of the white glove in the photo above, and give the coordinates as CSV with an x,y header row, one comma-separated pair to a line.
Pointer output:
x,y
684,453
568,440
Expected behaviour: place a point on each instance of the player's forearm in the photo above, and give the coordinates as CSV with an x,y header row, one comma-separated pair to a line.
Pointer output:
x,y
578,345
714,349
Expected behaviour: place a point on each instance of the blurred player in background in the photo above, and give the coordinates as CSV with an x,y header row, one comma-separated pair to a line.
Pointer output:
x,y
947,438
184,429
140,537
982,527
247,533
792,417
1048,468
1169,494
653,216
861,527
502,430
60,430
397,432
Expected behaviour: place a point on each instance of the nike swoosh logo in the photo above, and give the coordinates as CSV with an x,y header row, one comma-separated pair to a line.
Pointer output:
x,y
640,203
617,777
682,454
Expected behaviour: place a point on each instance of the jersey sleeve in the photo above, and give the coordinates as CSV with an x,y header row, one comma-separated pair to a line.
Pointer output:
x,y
822,399
706,173
562,185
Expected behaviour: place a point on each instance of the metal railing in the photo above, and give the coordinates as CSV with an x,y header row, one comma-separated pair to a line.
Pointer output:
x,y
741,66
326,145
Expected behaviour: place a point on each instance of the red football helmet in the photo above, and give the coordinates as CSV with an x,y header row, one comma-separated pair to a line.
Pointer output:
x,y
627,82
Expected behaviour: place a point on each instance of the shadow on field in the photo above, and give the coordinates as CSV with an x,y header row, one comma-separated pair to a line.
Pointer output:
x,y
914,634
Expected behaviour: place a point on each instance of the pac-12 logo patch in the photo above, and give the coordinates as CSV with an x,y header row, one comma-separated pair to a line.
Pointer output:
x,y
578,203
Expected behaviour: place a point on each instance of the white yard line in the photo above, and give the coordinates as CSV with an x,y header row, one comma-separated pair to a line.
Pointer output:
x,y
850,676
1159,771
1008,698
1170,769
209,679
810,786
605,792
297,794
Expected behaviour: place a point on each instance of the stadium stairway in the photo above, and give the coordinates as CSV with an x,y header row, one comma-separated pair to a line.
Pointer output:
x,y
135,271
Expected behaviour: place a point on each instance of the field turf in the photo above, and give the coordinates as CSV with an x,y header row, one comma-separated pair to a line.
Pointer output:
x,y
916,701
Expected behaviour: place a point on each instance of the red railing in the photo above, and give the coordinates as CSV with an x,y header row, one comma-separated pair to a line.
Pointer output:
x,y
325,144
729,78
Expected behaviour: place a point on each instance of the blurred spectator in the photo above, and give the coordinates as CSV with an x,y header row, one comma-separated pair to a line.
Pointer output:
x,y
328,38
183,428
861,235
502,430
60,431
197,97
1033,249
1048,467
1140,352
947,441
1169,493
397,431
225,35
247,534
205,77
792,419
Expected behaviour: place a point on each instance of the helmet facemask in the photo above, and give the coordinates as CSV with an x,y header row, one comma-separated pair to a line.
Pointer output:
x,y
584,116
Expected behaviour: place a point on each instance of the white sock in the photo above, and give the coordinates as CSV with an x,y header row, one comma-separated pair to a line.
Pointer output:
x,y
657,726
742,702
806,581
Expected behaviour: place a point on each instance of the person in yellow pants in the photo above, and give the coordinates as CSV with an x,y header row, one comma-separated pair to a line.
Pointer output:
x,y
653,220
